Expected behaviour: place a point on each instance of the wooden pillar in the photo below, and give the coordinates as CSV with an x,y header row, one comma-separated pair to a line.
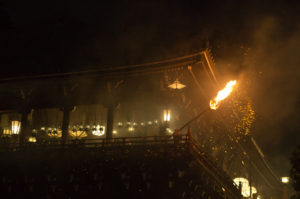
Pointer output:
x,y
285,191
110,122
65,123
24,126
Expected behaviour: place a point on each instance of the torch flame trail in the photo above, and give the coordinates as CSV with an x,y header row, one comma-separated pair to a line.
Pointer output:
x,y
214,103
222,94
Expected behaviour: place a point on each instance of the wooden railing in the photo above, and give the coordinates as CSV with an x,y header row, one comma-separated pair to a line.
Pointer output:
x,y
98,143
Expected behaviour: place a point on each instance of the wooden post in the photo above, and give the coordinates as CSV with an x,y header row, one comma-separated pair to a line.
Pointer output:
x,y
24,124
285,191
65,123
110,122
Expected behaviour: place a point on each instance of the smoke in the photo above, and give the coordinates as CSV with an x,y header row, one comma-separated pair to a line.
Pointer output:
x,y
272,66
274,59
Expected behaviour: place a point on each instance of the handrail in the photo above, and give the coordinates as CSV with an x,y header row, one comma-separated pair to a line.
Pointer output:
x,y
96,142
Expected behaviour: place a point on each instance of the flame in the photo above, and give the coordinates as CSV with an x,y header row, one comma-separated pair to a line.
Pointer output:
x,y
222,94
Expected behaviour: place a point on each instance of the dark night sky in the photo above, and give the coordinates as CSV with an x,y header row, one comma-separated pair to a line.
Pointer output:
x,y
58,36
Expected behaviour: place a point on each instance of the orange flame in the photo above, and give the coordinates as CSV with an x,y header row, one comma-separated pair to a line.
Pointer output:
x,y
222,94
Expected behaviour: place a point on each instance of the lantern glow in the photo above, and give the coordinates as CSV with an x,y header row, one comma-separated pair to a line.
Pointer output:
x,y
32,139
55,133
99,130
78,134
167,115
246,190
15,127
285,180
177,85
6,132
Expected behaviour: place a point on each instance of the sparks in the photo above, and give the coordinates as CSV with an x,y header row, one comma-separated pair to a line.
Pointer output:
x,y
222,94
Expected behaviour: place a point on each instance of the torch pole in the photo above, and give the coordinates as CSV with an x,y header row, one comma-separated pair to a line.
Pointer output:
x,y
195,118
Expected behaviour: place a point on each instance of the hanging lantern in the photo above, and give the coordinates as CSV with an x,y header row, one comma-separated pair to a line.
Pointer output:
x,y
87,128
130,129
99,130
177,85
167,115
32,139
149,123
74,129
15,127
49,130
115,132
55,133
102,130
33,136
81,128
78,134
120,124
7,132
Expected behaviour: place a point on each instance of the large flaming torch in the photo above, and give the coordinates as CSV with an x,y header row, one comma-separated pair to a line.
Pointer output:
x,y
222,94
214,103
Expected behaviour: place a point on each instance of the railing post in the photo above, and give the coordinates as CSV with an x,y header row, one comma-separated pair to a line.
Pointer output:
x,y
176,137
189,134
189,139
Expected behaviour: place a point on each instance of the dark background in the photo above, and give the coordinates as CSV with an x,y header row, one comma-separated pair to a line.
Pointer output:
x,y
257,39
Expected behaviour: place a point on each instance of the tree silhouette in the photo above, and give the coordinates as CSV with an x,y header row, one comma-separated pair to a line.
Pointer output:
x,y
295,171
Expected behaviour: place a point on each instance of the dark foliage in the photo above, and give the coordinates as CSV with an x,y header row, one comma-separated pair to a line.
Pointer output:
x,y
295,171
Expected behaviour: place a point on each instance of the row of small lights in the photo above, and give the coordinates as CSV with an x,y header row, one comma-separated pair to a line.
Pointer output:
x,y
16,125
97,130
120,124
